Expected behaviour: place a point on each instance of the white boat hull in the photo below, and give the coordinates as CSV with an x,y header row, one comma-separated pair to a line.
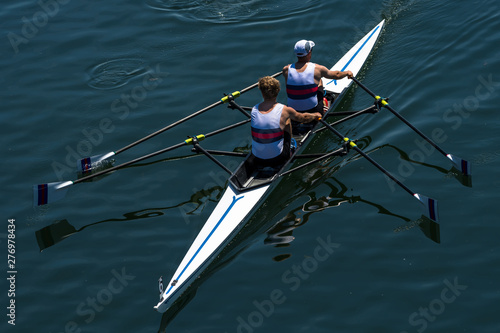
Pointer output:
x,y
226,219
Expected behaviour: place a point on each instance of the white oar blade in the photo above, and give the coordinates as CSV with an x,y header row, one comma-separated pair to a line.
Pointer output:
x,y
462,165
46,193
430,206
88,163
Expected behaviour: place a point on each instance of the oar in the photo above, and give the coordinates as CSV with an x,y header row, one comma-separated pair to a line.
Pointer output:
x,y
430,205
86,164
47,193
461,164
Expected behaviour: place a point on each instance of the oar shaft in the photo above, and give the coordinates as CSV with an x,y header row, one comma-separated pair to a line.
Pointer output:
x,y
227,128
199,148
463,165
239,108
256,84
372,161
388,174
349,117
416,130
169,126
185,119
394,112
103,172
139,159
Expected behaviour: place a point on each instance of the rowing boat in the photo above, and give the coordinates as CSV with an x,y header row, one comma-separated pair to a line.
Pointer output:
x,y
250,185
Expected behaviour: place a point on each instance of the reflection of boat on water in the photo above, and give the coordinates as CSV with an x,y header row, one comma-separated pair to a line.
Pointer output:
x,y
278,234
59,230
301,187
281,233
279,223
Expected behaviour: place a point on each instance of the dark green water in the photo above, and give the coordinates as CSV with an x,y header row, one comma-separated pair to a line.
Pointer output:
x,y
340,249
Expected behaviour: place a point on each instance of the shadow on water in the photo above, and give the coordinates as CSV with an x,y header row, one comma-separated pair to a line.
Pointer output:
x,y
267,220
62,229
280,234
453,172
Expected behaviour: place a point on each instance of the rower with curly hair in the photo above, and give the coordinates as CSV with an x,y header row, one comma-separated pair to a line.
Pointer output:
x,y
271,125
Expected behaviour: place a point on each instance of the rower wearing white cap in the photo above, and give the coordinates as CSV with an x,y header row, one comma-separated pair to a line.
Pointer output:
x,y
303,79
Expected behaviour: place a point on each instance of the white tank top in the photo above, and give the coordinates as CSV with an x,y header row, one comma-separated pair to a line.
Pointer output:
x,y
267,135
301,88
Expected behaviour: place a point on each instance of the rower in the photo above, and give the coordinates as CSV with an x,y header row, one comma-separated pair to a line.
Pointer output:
x,y
271,126
303,80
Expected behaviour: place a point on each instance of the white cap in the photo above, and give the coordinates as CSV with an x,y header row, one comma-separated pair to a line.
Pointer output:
x,y
303,47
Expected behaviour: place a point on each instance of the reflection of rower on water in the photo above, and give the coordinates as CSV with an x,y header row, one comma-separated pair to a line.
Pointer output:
x,y
303,80
271,126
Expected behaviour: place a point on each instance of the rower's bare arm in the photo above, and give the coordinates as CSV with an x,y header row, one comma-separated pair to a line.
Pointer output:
x,y
302,117
335,75
285,72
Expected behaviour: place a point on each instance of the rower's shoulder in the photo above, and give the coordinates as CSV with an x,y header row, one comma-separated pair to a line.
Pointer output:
x,y
320,68
287,110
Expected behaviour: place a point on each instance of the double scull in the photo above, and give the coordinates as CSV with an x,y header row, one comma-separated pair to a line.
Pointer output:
x,y
249,185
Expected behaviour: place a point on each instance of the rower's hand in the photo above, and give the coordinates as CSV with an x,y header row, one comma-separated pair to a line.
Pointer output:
x,y
317,116
349,74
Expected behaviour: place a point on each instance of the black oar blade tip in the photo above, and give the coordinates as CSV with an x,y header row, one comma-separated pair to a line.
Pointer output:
x,y
430,206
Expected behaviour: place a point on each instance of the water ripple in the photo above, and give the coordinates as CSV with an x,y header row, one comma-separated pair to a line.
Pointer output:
x,y
115,73
229,11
